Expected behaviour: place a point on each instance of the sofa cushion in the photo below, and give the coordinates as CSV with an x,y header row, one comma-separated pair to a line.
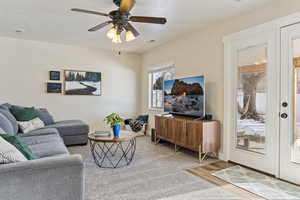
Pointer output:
x,y
20,145
23,114
38,139
43,131
45,116
71,127
46,145
7,122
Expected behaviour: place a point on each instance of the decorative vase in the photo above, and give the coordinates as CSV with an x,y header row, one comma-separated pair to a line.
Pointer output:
x,y
116,130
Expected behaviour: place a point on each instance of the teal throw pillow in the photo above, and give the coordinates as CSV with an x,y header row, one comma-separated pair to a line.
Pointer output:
x,y
20,145
23,114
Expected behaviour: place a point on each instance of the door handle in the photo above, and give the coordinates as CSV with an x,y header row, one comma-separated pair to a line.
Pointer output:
x,y
284,115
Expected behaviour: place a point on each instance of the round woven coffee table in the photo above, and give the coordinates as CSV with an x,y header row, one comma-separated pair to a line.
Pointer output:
x,y
111,152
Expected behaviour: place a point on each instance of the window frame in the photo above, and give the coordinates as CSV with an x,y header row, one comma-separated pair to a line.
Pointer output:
x,y
150,84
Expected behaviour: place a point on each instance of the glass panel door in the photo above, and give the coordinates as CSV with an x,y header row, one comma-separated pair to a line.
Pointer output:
x,y
296,109
290,104
254,88
252,99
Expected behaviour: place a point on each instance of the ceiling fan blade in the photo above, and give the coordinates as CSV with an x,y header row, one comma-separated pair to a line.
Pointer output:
x,y
126,5
89,12
151,20
96,28
129,27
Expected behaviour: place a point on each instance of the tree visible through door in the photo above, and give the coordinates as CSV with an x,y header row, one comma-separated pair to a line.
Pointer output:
x,y
251,98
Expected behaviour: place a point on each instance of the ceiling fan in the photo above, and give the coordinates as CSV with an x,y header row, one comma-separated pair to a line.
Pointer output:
x,y
120,20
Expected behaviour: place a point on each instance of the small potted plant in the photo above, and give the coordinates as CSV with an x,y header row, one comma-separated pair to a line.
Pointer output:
x,y
115,121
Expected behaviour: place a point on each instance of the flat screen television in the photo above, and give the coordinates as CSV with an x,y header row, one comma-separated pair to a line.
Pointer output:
x,y
185,96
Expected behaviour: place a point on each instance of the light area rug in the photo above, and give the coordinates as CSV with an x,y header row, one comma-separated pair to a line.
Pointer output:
x,y
260,184
205,172
157,172
216,193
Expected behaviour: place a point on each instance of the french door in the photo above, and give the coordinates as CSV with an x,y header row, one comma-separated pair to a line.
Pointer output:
x,y
254,90
290,104
262,99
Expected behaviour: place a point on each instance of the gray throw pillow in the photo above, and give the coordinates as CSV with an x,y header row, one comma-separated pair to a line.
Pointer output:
x,y
8,122
45,116
2,131
5,124
5,106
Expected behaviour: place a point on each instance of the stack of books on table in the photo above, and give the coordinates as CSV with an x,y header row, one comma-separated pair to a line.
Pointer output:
x,y
102,134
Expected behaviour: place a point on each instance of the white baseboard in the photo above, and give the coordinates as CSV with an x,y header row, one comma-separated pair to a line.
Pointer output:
x,y
222,157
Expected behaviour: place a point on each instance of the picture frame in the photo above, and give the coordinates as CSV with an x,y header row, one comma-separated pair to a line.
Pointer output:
x,y
54,87
54,75
81,82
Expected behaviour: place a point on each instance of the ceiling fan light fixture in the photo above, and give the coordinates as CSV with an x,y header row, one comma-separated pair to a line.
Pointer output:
x,y
129,36
120,20
112,33
117,39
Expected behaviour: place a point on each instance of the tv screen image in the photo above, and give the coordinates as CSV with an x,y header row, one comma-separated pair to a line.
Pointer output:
x,y
185,96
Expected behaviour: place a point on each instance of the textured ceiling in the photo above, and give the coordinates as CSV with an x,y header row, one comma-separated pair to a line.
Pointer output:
x,y
52,21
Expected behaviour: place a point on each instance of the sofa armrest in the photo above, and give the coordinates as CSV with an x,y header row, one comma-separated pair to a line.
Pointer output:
x,y
59,178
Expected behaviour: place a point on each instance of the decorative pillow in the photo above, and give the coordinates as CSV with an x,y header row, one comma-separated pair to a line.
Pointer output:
x,y
5,124
23,114
45,116
5,106
20,145
143,118
126,121
9,153
8,122
31,125
1,130
136,125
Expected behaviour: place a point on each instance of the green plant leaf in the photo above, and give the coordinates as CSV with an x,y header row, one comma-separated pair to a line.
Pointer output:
x,y
113,119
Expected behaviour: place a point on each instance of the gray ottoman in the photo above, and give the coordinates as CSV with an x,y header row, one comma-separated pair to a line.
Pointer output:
x,y
73,132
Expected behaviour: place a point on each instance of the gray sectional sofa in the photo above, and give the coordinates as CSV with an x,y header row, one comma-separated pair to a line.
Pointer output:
x,y
56,175
73,132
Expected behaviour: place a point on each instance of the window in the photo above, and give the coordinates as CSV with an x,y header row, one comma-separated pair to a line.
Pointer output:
x,y
156,81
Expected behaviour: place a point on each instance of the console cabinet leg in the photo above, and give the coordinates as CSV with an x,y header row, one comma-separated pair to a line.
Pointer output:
x,y
157,141
200,154
177,148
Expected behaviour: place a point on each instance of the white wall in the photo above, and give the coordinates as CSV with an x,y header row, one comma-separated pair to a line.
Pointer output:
x,y
24,69
201,52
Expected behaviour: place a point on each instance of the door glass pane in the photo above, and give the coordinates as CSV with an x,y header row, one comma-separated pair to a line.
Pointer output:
x,y
251,99
296,117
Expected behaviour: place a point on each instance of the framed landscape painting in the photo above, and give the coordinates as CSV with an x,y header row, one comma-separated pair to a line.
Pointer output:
x,y
54,87
54,75
82,83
